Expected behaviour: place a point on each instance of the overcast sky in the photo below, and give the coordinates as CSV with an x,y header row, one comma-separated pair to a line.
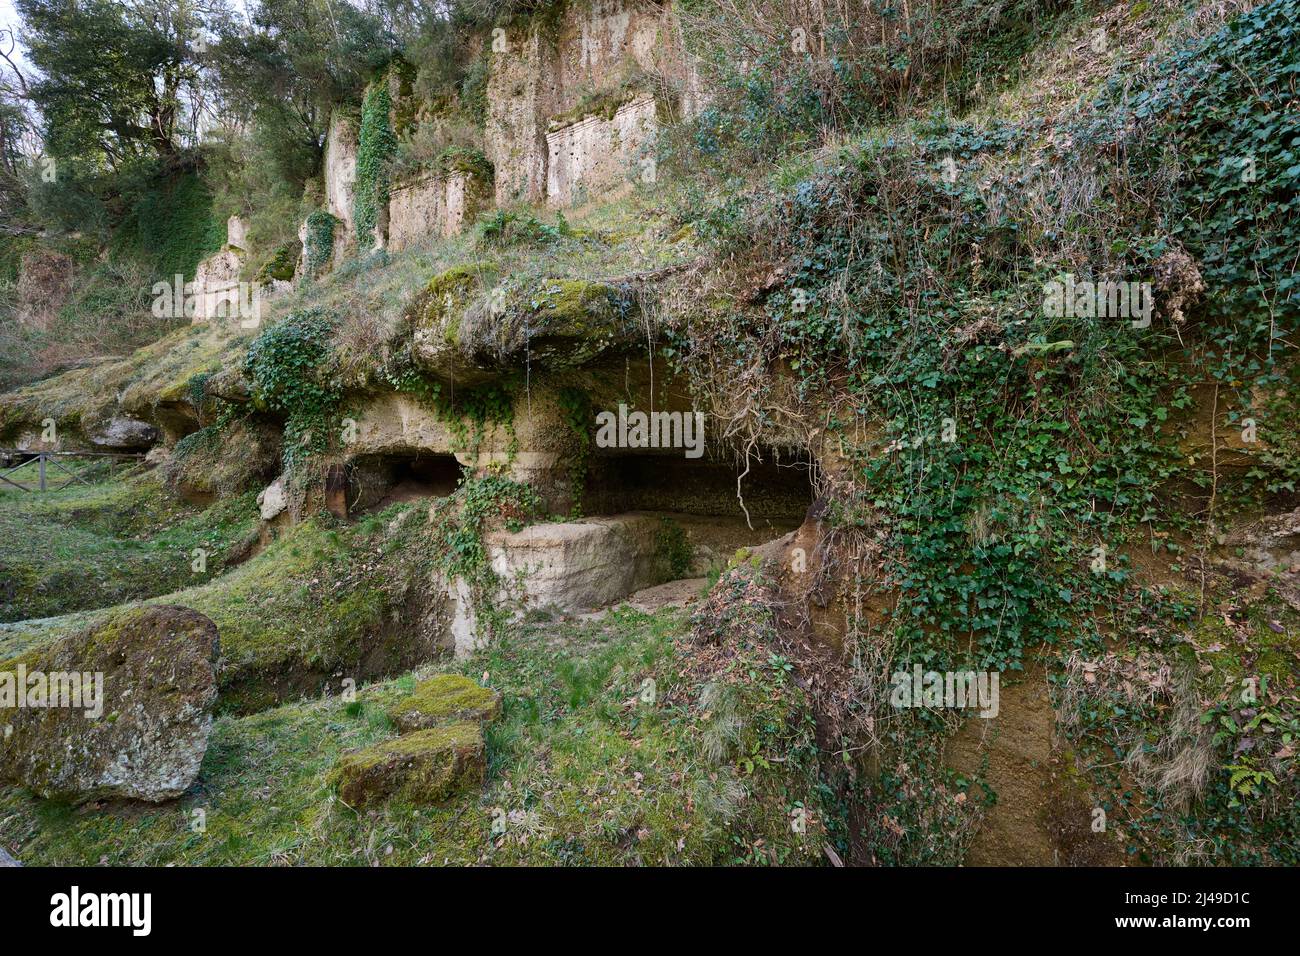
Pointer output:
x,y
9,19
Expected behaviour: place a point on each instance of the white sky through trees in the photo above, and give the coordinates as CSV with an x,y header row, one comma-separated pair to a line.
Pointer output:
x,y
9,20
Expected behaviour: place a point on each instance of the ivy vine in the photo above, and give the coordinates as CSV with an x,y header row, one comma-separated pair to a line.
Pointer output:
x,y
376,145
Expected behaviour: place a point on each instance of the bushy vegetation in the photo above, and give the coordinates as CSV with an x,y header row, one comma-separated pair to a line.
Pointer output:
x,y
855,248
289,368
375,147
1023,453
587,767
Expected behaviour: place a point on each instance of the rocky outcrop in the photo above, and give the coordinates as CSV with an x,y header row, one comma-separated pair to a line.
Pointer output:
x,y
217,291
272,500
442,700
427,766
216,286
573,105
437,205
578,565
237,233
121,710
391,422
571,567
571,69
123,433
465,331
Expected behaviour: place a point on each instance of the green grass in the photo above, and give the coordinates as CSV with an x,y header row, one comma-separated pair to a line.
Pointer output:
x,y
316,604
580,771
119,539
315,600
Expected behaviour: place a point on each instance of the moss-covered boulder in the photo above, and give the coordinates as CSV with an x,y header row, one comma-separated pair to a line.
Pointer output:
x,y
445,699
428,766
281,265
122,709
572,321
467,327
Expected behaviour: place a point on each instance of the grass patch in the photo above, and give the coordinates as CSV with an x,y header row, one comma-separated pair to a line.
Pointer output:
x,y
581,771
118,540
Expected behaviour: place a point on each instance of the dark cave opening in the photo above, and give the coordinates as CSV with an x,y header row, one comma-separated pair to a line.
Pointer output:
x,y
376,481
776,491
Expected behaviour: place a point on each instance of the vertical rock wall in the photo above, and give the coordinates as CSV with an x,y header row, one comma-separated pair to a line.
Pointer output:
x,y
341,170
573,106
599,155
439,205
544,72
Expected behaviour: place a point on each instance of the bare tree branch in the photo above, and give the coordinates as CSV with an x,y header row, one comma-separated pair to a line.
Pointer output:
x,y
7,34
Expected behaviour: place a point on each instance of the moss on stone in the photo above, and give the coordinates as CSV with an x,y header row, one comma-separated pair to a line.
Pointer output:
x,y
464,159
154,667
427,766
281,264
577,305
444,298
571,320
603,103
445,699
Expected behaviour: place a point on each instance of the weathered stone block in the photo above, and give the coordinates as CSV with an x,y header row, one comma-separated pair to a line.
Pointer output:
x,y
445,699
597,155
137,727
427,766
441,205
579,565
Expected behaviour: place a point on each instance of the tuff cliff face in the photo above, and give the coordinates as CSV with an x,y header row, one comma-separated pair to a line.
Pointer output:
x,y
340,169
564,336
597,154
598,68
573,105
440,204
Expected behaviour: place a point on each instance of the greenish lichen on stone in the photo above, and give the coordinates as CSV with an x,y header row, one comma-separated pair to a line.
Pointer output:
x,y
282,263
427,766
568,322
467,327
120,710
439,308
576,306
445,699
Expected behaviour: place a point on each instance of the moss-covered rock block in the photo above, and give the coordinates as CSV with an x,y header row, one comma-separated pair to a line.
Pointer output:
x,y
282,263
445,699
573,320
122,709
428,766
469,328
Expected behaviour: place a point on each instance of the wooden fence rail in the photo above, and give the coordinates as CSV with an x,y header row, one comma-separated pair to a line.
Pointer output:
x,y
51,459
